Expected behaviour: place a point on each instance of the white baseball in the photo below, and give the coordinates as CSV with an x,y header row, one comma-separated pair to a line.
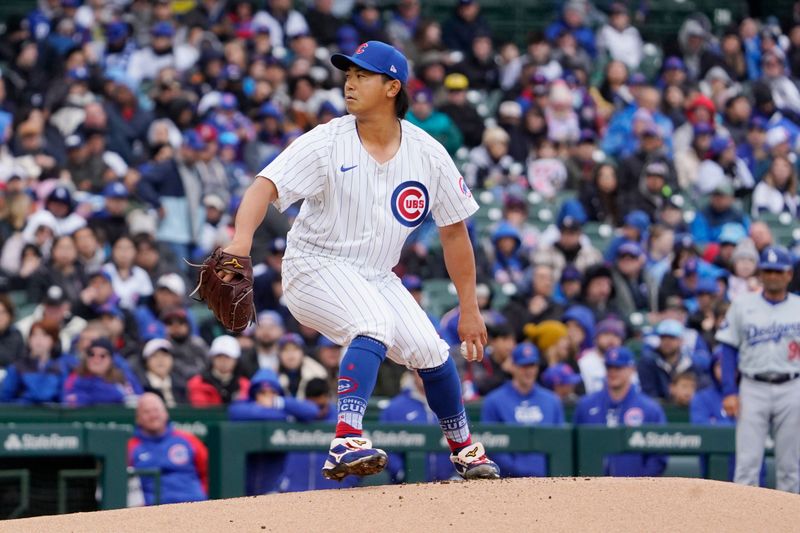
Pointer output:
x,y
464,352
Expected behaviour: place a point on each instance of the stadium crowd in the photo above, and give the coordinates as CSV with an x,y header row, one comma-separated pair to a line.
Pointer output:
x,y
129,131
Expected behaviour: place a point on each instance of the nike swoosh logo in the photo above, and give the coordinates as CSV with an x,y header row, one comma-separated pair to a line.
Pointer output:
x,y
345,169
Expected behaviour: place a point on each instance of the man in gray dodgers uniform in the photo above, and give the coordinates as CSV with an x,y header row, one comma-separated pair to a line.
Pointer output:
x,y
761,334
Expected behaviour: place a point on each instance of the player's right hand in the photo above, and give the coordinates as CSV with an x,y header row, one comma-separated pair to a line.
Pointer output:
x,y
730,404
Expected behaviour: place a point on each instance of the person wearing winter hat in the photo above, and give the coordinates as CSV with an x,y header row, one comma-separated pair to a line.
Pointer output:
x,y
220,383
608,333
744,270
551,337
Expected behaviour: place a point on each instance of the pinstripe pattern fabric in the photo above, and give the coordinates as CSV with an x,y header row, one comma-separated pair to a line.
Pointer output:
x,y
348,235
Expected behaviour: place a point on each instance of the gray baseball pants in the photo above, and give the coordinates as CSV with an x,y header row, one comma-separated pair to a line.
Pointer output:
x,y
762,405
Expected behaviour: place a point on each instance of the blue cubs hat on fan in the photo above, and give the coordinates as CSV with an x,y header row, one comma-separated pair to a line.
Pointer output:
x,y
670,328
375,56
525,354
560,374
776,258
619,357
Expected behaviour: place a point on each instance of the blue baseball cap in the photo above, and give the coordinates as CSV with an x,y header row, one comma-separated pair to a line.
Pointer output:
x,y
375,56
775,258
525,354
291,338
162,29
732,233
674,63
269,110
228,101
115,190
629,248
619,357
116,31
193,140
560,374
637,219
670,328
707,286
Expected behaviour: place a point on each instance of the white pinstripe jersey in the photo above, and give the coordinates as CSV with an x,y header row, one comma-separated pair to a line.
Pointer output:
x,y
357,210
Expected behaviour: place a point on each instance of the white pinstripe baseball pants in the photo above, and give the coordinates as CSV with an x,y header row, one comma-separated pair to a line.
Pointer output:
x,y
342,303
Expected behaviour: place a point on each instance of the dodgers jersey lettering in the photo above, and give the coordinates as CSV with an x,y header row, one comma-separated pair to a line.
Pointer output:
x,y
767,335
357,210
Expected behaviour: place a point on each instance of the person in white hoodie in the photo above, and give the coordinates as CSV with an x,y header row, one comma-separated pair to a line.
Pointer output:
x,y
621,41
776,193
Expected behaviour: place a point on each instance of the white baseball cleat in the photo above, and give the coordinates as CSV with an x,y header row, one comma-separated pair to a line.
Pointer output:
x,y
472,463
353,456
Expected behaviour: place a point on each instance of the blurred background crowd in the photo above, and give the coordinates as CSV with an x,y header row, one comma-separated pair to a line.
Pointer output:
x,y
631,161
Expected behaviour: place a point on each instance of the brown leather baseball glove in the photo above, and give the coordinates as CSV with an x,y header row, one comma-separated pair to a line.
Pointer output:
x,y
231,301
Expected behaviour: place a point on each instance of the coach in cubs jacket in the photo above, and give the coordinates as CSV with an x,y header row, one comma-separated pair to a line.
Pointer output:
x,y
180,457
761,337
620,404
522,402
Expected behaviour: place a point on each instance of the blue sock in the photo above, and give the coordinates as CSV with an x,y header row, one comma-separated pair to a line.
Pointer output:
x,y
358,373
443,391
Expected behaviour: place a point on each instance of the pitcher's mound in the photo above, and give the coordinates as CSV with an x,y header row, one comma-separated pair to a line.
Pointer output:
x,y
554,504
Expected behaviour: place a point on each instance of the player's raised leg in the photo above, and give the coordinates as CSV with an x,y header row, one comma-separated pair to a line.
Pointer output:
x,y
339,303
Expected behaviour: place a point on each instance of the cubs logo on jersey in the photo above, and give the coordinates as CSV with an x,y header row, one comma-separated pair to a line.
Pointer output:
x,y
178,454
463,186
410,203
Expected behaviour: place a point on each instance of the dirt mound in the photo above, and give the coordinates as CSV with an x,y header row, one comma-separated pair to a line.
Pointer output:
x,y
554,504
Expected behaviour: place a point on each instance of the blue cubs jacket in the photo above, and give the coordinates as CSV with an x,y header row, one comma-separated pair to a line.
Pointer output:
x,y
539,407
182,460
633,410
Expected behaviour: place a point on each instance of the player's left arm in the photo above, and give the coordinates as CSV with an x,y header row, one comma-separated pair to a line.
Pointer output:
x,y
460,262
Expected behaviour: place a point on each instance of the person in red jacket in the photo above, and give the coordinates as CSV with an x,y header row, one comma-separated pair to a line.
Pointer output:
x,y
219,384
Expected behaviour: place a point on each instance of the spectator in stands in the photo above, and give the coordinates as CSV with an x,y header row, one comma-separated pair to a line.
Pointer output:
x,y
480,64
580,324
158,376
480,378
630,288
570,248
98,293
634,229
295,368
536,303
720,210
509,261
12,345
563,381
35,377
551,338
62,269
54,308
490,166
785,93
188,349
682,389
620,404
219,384
515,213
753,149
521,402
777,191
91,256
329,356
569,285
743,278
687,162
573,20
601,197
180,457
723,166
62,206
98,380
269,328
609,333
619,40
651,191
411,408
524,138
266,402
547,173
162,52
110,222
435,123
460,110
660,365
154,261
597,292
169,294
323,24
130,282
460,29
696,48
639,129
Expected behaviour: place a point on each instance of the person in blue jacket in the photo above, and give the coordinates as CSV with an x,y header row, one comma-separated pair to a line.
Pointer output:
x,y
303,470
267,402
97,380
411,408
181,457
660,365
706,410
37,377
521,402
620,404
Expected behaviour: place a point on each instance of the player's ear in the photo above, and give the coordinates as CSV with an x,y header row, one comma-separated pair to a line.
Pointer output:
x,y
394,88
